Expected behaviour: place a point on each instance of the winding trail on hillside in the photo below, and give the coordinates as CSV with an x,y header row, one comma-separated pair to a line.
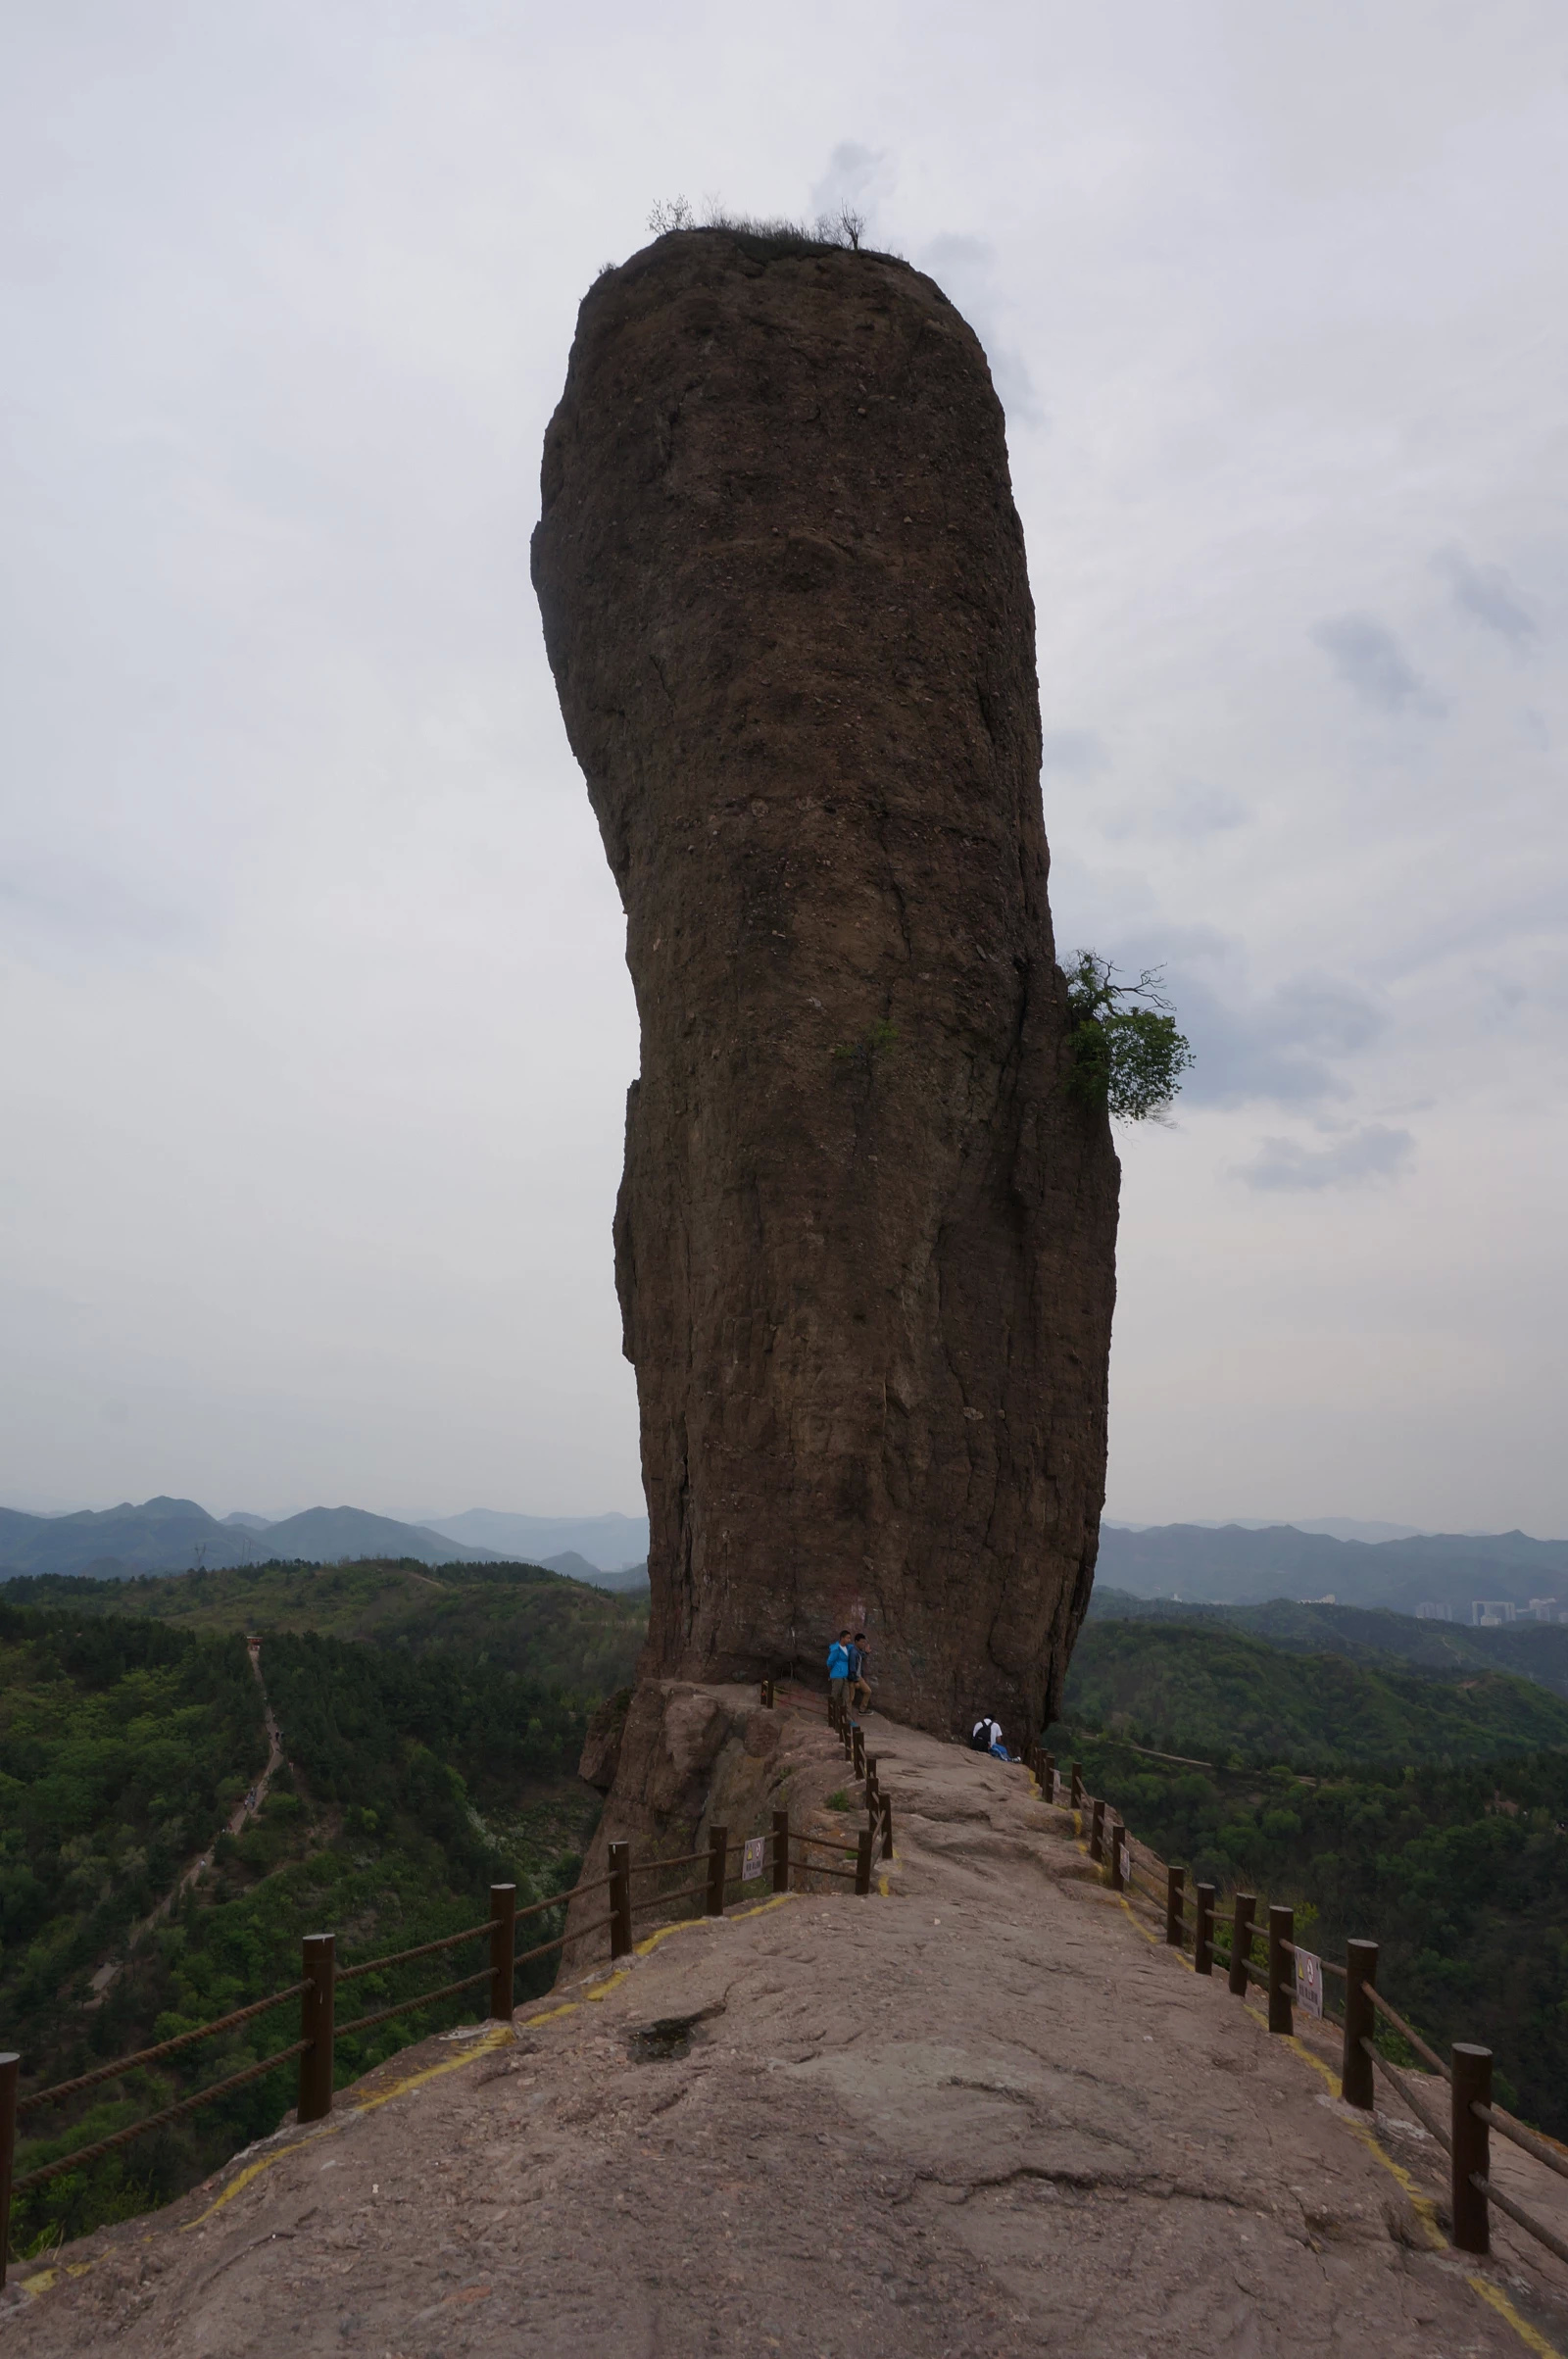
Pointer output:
x,y
983,2112
249,1808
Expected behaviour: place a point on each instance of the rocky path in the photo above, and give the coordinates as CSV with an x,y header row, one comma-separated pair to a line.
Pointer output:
x,y
981,2113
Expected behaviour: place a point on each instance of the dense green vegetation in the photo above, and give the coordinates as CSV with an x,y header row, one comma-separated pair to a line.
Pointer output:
x,y
560,1631
1228,1697
121,1745
1426,1812
1126,1057
428,1755
1532,1651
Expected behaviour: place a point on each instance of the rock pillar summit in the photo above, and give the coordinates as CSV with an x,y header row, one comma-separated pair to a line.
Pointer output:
x,y
866,1239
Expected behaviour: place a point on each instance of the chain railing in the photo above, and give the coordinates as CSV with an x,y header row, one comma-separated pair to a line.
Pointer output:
x,y
1295,1976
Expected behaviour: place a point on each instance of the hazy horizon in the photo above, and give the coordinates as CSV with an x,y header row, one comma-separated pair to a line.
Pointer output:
x,y
1391,1526
318,1028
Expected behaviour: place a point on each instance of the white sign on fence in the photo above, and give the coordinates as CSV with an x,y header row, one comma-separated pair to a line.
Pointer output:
x,y
1126,1865
751,1864
1309,1982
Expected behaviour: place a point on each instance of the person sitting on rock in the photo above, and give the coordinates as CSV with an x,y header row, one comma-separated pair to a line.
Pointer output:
x,y
986,1738
860,1685
838,1667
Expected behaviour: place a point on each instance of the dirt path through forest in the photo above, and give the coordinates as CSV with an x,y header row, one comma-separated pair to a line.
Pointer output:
x,y
983,2112
249,1808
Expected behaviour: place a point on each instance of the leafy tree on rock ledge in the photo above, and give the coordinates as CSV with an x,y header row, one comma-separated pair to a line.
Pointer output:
x,y
1127,1054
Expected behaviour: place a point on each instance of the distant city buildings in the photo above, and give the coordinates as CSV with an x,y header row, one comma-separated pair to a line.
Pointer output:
x,y
1493,1613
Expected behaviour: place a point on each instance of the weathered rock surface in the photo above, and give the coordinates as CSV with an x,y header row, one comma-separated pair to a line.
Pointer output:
x,y
986,2113
865,1245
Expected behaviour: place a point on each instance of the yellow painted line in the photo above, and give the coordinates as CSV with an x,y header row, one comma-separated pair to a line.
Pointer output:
x,y
1497,2299
481,2046
599,1990
1425,2209
254,2170
47,2277
501,2034
1152,1938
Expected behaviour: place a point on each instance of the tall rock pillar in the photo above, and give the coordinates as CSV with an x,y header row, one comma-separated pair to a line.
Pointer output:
x,y
866,1239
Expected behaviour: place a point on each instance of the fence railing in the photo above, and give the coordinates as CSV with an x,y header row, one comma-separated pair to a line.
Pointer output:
x,y
1295,1976
782,1854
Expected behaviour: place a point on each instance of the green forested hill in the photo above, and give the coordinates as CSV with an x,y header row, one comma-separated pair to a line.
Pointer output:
x,y
432,1753
1534,1651
1425,1810
1213,1692
121,1747
560,1631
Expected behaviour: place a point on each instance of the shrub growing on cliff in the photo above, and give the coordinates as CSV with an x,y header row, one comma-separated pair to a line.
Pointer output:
x,y
765,240
1127,1055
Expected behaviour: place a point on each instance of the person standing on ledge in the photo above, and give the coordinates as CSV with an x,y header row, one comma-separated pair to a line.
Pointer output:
x,y
838,1667
860,1685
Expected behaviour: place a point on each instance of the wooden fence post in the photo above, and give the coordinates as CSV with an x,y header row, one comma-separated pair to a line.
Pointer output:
x,y
319,1973
621,1900
1471,2152
1175,1879
887,1826
717,1862
781,1851
862,1863
1113,1835
503,1945
1077,1784
857,1748
1097,1831
1281,1968
1203,1932
1242,1942
1047,1780
1357,2086
10,2066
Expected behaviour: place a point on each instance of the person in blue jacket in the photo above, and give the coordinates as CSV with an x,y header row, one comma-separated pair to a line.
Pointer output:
x,y
838,1667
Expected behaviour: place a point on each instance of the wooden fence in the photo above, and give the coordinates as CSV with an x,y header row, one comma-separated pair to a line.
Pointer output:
x,y
1288,1973
783,1855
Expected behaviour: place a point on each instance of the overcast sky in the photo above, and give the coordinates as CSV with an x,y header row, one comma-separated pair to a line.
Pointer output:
x,y
316,1029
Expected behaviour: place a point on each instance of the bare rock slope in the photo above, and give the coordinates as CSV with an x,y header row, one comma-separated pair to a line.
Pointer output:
x,y
864,1244
982,2111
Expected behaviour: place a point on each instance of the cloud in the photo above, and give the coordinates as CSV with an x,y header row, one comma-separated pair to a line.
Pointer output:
x,y
855,175
965,269
1369,660
1283,1047
1487,595
1077,752
1373,1152
1195,809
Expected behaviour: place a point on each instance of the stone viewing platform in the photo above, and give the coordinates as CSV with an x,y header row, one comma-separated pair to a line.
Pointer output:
x,y
980,2111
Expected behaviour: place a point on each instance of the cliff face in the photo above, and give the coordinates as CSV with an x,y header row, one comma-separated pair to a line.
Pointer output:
x,y
864,1244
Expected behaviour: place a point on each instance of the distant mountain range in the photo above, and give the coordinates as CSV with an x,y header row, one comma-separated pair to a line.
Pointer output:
x,y
171,1535
175,1535
1242,1565
612,1543
1238,1564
